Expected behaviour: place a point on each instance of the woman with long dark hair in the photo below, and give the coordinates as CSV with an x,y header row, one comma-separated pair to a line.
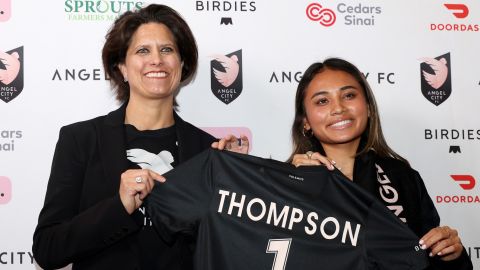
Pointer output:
x,y
337,124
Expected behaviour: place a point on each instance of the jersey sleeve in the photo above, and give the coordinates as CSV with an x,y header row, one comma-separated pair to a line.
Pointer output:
x,y
177,205
390,244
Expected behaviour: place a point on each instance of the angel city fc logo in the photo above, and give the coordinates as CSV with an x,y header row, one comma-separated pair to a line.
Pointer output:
x,y
11,74
436,81
226,76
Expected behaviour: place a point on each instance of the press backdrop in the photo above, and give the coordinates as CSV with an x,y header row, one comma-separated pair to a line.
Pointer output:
x,y
51,75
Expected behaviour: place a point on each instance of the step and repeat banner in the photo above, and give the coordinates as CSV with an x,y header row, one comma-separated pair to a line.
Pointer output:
x,y
51,75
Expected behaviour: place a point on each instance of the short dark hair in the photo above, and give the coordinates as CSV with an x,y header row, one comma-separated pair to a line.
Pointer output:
x,y
372,137
120,35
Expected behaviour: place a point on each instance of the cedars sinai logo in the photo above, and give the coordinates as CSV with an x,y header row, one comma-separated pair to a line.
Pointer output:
x,y
11,74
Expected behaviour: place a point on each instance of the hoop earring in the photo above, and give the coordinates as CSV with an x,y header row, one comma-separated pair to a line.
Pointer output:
x,y
307,133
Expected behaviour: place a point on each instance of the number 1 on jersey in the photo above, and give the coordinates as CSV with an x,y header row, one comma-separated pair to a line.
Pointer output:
x,y
280,247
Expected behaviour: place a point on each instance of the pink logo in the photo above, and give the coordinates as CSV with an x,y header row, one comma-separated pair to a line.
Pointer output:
x,y
11,73
5,190
440,71
460,10
324,16
220,132
226,76
436,78
11,62
5,10
467,182
231,66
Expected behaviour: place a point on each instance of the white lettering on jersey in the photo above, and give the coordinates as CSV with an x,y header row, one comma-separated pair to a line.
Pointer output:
x,y
272,212
389,194
335,223
329,228
348,229
249,209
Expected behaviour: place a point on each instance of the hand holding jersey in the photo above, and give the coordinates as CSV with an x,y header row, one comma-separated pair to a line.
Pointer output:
x,y
443,242
132,192
232,143
239,206
314,159
135,185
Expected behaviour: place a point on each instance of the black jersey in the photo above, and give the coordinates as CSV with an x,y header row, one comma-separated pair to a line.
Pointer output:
x,y
253,213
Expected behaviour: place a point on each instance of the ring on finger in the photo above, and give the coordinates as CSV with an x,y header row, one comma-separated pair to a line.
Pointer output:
x,y
309,154
139,179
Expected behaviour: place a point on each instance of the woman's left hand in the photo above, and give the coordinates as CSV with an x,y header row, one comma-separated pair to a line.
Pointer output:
x,y
443,242
232,143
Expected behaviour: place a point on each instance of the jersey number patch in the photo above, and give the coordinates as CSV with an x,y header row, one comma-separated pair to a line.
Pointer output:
x,y
281,248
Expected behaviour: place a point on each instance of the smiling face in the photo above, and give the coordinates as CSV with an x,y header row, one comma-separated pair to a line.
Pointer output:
x,y
152,65
336,108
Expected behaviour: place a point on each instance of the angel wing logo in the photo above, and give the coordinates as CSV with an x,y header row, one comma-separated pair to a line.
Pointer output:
x,y
11,74
226,76
159,163
440,72
435,74
231,67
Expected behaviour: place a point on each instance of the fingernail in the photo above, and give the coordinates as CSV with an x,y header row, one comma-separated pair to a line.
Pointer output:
x,y
331,167
333,162
420,242
423,247
439,253
430,254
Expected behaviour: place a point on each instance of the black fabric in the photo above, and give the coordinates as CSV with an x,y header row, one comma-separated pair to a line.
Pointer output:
x,y
146,149
283,206
153,141
418,208
83,220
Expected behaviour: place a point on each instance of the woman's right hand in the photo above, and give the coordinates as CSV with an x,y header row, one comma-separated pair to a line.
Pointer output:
x,y
135,185
312,159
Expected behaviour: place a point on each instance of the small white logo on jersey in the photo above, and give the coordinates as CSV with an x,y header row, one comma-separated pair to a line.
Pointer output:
x,y
160,163
294,177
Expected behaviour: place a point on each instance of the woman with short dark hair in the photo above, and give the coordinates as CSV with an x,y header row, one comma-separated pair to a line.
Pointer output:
x,y
104,168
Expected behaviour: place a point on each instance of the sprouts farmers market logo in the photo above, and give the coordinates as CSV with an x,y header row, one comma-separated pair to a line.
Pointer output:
x,y
462,193
11,74
101,10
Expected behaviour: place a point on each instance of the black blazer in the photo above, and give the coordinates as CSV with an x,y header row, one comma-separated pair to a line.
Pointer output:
x,y
83,220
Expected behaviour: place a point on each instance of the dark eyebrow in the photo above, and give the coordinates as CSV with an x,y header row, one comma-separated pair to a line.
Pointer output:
x,y
343,88
346,87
